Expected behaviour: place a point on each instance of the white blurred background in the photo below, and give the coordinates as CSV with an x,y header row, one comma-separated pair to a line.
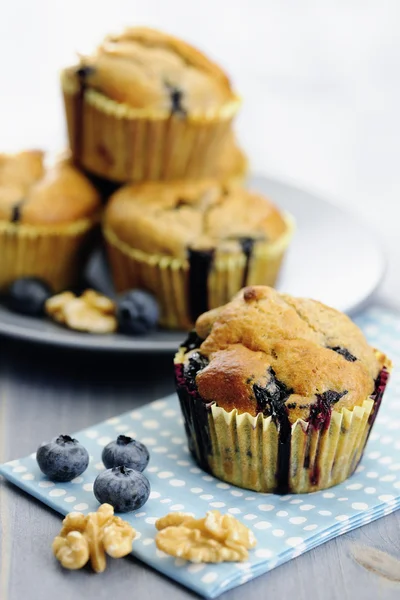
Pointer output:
x,y
320,82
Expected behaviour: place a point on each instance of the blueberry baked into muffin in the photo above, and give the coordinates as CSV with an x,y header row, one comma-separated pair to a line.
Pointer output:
x,y
147,106
278,394
193,244
46,219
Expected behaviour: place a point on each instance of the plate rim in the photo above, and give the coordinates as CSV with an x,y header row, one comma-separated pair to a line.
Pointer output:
x,y
105,343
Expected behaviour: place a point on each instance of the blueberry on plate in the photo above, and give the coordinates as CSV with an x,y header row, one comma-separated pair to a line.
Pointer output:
x,y
28,295
125,489
62,459
137,312
127,452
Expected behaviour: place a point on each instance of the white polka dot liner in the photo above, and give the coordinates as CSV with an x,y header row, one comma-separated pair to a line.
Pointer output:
x,y
285,526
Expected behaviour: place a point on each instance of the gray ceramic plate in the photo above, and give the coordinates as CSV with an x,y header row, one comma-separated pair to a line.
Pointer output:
x,y
333,258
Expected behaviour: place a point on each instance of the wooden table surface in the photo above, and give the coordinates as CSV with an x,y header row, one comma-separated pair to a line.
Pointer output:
x,y
44,391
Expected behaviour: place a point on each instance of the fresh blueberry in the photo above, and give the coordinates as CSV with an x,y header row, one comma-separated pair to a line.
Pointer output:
x,y
62,459
123,488
126,452
28,295
137,312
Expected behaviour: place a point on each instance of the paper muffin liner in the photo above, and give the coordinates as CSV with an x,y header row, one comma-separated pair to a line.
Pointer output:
x,y
53,253
169,279
122,143
248,451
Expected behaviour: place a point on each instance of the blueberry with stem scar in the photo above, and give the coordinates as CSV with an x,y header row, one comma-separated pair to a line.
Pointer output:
x,y
127,452
62,459
125,489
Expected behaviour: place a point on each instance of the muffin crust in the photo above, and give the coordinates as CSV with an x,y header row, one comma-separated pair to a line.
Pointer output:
x,y
30,194
168,219
265,351
147,69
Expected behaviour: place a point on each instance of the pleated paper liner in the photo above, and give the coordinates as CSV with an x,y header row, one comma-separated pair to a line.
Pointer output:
x,y
122,143
53,253
168,278
244,450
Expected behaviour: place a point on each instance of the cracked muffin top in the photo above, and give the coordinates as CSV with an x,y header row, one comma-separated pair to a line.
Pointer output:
x,y
32,194
169,218
265,349
148,69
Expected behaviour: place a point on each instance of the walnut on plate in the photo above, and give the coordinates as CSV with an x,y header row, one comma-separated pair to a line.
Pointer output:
x,y
91,312
213,539
91,537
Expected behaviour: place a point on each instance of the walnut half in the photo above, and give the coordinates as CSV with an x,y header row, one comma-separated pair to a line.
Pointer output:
x,y
91,312
216,538
91,537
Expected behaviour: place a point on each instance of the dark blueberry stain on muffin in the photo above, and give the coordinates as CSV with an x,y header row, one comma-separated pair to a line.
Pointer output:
x,y
195,411
192,341
380,386
85,71
321,410
319,419
16,212
197,362
247,246
200,264
344,352
176,95
271,402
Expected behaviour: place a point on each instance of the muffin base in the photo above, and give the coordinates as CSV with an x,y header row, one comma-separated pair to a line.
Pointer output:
x,y
170,278
250,452
53,253
121,143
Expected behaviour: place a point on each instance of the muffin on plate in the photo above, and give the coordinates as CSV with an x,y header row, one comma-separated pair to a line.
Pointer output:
x,y
278,393
46,219
147,106
193,244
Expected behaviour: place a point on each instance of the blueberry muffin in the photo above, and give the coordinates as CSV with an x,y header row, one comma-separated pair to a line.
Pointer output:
x,y
46,219
278,394
147,106
193,244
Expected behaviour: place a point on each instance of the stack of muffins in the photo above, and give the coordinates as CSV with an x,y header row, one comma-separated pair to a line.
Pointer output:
x,y
151,115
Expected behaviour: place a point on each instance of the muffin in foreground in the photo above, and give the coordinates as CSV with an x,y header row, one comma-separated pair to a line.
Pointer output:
x,y
278,394
46,219
147,106
193,244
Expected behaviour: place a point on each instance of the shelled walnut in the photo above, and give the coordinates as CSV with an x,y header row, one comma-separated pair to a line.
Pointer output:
x,y
92,536
91,312
215,538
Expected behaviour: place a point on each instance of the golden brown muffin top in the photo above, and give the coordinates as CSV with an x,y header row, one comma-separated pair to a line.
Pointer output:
x,y
167,219
264,348
145,68
32,194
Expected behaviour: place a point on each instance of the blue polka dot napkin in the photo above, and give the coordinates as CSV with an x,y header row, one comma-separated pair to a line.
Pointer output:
x,y
285,526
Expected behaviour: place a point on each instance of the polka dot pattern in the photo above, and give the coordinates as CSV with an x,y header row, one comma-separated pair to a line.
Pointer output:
x,y
285,526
